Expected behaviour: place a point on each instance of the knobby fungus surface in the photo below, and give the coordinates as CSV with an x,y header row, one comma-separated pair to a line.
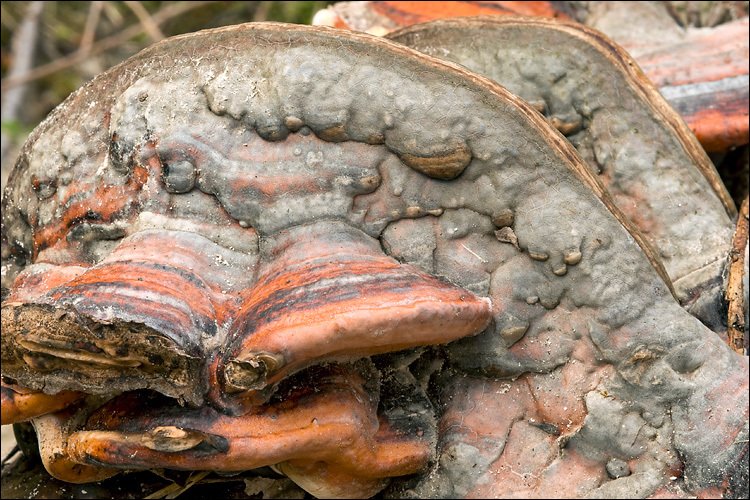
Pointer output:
x,y
702,72
593,92
366,267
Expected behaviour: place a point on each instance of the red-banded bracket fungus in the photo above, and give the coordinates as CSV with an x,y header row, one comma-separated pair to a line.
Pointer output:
x,y
326,252
594,93
701,68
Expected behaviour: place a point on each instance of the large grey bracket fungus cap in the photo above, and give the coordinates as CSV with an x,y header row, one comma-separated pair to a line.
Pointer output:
x,y
594,93
282,151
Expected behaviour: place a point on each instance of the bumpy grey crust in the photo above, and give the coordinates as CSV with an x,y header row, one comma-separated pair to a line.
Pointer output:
x,y
276,98
452,174
595,94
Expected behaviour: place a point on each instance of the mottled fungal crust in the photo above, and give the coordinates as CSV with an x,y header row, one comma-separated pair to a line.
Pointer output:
x,y
144,141
300,219
702,72
595,94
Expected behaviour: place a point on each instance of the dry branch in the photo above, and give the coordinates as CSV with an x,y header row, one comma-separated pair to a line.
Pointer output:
x,y
23,53
89,31
737,319
149,26
172,10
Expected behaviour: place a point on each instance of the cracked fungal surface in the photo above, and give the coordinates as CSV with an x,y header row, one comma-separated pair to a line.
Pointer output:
x,y
263,244
593,92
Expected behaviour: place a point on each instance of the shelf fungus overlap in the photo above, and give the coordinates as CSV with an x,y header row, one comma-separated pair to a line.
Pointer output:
x,y
593,92
373,270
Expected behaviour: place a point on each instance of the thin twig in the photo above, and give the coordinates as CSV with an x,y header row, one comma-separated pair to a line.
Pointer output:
x,y
735,298
7,20
149,26
24,43
716,14
174,490
123,36
12,453
261,12
89,31
113,14
693,12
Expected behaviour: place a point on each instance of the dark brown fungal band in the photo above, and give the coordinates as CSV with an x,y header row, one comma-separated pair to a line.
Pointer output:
x,y
92,357
317,229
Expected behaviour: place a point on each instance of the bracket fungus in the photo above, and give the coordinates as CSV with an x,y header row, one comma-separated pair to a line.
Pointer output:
x,y
702,71
595,94
329,253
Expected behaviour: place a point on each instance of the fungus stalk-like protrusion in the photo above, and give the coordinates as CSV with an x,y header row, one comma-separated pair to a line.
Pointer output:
x,y
335,424
342,299
53,432
20,404
251,371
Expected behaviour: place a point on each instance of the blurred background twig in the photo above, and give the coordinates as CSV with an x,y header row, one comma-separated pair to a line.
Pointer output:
x,y
23,45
